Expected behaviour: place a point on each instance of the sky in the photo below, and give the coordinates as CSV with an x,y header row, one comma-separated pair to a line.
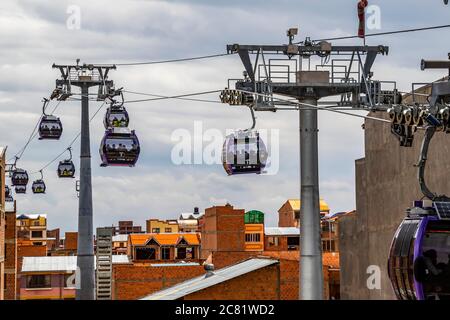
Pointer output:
x,y
34,34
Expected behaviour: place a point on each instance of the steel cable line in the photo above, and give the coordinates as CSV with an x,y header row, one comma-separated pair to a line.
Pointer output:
x,y
174,97
174,60
33,134
162,96
384,33
70,144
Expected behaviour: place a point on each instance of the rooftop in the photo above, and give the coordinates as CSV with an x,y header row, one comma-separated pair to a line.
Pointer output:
x,y
281,231
296,203
203,282
30,216
59,263
165,238
120,238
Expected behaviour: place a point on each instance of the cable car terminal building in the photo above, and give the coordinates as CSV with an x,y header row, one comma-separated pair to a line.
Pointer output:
x,y
386,184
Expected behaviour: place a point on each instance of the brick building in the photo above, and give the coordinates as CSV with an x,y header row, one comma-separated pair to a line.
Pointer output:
x,y
159,226
252,279
191,221
289,213
133,281
10,255
2,220
163,247
52,277
127,227
223,230
281,239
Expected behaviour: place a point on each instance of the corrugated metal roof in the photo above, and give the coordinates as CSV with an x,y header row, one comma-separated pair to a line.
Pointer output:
x,y
281,231
120,238
202,282
59,263
296,203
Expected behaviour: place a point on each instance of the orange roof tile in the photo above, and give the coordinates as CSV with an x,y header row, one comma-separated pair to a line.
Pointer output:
x,y
165,239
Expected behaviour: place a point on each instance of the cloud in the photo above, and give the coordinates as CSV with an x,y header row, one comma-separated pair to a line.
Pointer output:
x,y
34,35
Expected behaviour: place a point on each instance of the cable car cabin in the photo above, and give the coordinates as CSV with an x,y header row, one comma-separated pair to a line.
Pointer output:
x,y
20,189
116,117
38,186
66,169
244,152
419,259
19,177
50,128
8,194
119,147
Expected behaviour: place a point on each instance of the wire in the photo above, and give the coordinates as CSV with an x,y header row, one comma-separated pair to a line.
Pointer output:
x,y
385,33
174,97
174,60
70,144
167,97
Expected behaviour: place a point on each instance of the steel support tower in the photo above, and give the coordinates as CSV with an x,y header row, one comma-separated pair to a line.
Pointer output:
x,y
352,82
84,76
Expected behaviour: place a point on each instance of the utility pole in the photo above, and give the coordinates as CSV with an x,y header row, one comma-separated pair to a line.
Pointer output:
x,y
346,75
84,76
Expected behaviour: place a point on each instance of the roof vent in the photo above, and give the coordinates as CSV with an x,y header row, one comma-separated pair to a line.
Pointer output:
x,y
209,268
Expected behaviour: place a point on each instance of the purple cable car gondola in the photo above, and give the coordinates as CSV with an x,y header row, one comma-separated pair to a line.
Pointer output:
x,y
66,168
119,147
244,152
50,128
20,189
19,177
419,259
38,186
116,117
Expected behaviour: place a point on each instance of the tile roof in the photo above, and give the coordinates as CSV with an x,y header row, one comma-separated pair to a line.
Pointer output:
x,y
295,204
218,276
165,239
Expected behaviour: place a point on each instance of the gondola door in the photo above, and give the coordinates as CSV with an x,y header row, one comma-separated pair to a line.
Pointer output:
x,y
401,259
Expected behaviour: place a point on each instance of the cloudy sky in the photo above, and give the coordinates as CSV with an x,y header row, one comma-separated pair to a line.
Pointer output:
x,y
34,35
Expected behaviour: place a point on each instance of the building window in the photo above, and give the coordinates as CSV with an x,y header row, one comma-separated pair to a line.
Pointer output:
x,y
328,246
39,281
297,215
168,230
155,230
252,237
165,253
36,234
273,241
185,253
145,253
293,243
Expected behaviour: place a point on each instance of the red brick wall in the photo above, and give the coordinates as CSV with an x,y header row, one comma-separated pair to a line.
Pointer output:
x,y
286,216
71,240
10,256
262,284
223,230
131,282
224,259
282,244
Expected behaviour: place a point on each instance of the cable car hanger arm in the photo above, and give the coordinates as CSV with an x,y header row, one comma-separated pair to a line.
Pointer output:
x,y
429,133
